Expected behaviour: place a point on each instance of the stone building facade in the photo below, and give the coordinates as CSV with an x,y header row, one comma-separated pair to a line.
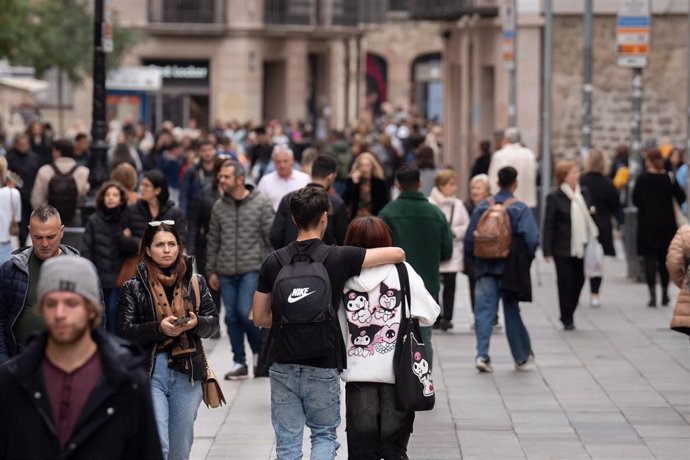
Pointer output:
x,y
664,93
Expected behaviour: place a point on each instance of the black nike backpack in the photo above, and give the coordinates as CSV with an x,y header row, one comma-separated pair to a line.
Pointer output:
x,y
301,304
63,193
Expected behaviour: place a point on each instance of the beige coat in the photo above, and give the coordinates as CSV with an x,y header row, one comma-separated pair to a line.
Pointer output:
x,y
525,162
677,260
39,194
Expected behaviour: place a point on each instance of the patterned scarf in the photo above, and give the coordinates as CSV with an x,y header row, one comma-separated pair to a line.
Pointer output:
x,y
183,345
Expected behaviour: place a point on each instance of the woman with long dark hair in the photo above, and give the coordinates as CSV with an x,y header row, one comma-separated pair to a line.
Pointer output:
x,y
154,205
653,195
159,310
99,244
370,319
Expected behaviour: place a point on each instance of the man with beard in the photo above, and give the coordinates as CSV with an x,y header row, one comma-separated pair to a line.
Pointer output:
x,y
75,392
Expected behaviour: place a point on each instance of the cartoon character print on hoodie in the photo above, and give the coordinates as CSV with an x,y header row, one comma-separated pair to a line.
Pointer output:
x,y
357,304
389,300
362,339
386,338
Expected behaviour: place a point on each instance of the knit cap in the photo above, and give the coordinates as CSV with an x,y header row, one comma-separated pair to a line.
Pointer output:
x,y
69,273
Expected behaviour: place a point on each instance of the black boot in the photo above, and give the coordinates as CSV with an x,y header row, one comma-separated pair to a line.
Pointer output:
x,y
652,297
665,299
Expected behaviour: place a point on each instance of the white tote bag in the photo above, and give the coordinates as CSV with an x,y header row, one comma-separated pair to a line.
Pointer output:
x,y
594,259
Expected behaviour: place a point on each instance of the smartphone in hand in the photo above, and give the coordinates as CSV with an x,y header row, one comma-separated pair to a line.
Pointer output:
x,y
182,321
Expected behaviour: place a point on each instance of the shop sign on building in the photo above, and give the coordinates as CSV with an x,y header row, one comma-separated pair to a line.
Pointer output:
x,y
633,29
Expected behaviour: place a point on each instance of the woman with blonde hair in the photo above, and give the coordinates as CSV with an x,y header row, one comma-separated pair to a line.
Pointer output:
x,y
568,227
480,189
10,212
604,204
365,190
443,196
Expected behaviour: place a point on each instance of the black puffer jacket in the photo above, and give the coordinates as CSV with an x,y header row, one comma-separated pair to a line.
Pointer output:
x,y
199,220
138,216
117,422
137,320
99,244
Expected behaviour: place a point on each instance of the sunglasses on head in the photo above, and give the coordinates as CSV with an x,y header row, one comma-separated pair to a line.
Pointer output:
x,y
157,223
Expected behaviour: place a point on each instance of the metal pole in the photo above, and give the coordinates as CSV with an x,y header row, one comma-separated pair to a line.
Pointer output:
x,y
687,141
635,164
587,81
99,127
546,109
512,95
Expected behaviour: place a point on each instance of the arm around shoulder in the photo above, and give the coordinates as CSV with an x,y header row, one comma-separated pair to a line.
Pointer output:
x,y
423,307
382,256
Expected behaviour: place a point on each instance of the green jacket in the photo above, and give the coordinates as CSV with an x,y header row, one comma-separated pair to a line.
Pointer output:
x,y
421,229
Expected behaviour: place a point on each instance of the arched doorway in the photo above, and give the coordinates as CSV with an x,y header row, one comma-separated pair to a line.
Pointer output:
x,y
427,85
377,83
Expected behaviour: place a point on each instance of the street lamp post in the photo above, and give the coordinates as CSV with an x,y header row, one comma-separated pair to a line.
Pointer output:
x,y
99,127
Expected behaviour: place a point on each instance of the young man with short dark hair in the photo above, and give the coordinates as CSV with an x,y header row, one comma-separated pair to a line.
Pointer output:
x,y
75,392
422,230
284,230
307,391
491,276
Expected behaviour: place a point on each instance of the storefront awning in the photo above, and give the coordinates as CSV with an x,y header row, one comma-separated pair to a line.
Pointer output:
x,y
28,84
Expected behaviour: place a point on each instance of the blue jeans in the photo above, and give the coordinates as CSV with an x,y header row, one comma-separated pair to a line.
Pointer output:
x,y
111,297
487,293
176,401
5,251
238,294
305,395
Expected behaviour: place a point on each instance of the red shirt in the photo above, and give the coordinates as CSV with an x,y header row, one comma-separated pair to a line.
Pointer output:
x,y
68,392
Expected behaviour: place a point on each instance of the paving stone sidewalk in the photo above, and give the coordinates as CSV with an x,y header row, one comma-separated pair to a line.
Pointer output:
x,y
616,388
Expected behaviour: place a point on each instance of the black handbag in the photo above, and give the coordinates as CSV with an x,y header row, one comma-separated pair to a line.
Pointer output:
x,y
414,389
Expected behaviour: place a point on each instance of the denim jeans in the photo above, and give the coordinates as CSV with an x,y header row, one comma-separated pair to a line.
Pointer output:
x,y
111,297
5,251
238,294
176,401
487,294
375,429
305,395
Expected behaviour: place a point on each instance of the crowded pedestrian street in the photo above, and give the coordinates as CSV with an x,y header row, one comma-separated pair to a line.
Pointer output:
x,y
616,388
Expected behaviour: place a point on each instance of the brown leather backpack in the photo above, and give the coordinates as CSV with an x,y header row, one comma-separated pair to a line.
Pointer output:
x,y
494,232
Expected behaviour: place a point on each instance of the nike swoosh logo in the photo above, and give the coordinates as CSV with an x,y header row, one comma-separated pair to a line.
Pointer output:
x,y
292,299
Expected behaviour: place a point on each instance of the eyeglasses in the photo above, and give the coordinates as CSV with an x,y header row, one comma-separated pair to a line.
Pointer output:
x,y
157,223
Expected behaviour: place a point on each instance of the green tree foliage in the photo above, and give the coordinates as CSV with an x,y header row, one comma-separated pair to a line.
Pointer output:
x,y
57,34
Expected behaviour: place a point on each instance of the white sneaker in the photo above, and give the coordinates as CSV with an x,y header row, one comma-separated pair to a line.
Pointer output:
x,y
482,365
523,365
594,301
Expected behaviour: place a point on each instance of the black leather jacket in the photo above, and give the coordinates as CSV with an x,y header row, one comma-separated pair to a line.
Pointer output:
x,y
137,320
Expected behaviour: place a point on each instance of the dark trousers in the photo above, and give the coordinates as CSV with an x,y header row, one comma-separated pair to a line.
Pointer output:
x,y
570,275
448,281
656,262
595,284
375,429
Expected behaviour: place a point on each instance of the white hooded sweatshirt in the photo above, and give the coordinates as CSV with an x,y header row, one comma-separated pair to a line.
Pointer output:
x,y
370,316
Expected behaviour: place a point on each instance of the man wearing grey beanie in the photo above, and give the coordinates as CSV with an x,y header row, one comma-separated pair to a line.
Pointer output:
x,y
79,392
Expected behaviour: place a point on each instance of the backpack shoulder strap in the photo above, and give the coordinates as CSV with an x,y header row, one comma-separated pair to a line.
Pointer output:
x,y
490,200
510,201
320,253
55,168
74,168
197,291
284,256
